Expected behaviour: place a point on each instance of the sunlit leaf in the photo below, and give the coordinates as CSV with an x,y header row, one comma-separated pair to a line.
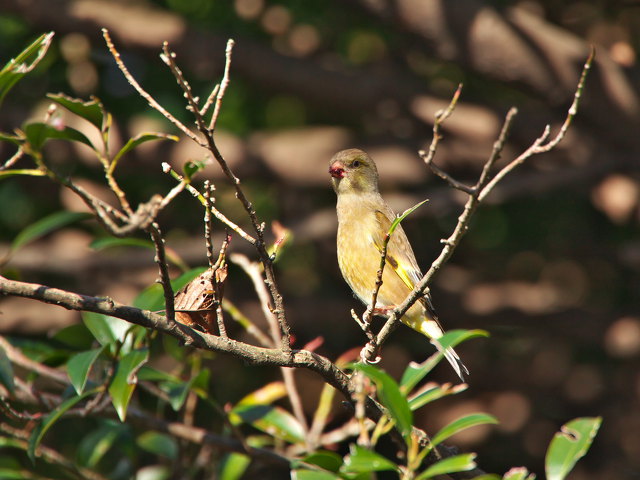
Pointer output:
x,y
432,392
462,423
362,460
265,395
78,368
22,64
48,421
391,397
190,168
124,381
137,140
159,444
569,445
29,172
404,215
153,472
457,463
270,419
6,371
233,466
415,372
110,242
38,133
92,111
107,330
303,474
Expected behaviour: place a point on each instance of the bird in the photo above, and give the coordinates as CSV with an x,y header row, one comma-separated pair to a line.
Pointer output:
x,y
364,219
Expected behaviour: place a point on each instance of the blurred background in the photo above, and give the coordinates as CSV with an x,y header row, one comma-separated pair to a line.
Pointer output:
x,y
550,266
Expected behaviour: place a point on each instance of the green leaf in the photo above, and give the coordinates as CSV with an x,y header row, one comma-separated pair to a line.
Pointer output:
x,y
78,368
159,444
124,381
48,421
153,472
569,445
137,140
52,222
462,423
488,476
303,474
38,133
391,397
31,172
415,372
26,61
92,111
432,392
6,371
404,215
94,446
233,466
107,330
272,420
327,460
110,242
362,460
518,473
457,463
76,336
190,168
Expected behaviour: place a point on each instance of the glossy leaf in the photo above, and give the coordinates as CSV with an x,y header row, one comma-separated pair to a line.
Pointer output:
x,y
462,423
270,419
303,474
569,445
30,172
108,330
48,421
391,397
327,460
265,395
159,444
404,215
190,168
137,140
23,63
6,371
38,133
233,466
361,460
78,368
124,381
46,225
92,111
457,463
432,392
415,372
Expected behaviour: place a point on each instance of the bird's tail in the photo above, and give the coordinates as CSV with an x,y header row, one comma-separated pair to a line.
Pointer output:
x,y
431,329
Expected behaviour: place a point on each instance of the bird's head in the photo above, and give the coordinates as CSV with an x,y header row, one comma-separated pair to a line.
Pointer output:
x,y
353,171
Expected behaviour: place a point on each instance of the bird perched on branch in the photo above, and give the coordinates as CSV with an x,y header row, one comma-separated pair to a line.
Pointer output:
x,y
364,219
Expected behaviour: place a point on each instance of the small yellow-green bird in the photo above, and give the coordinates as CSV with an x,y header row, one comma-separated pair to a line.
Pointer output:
x,y
364,219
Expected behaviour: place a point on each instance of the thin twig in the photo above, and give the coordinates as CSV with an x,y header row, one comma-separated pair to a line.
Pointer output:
x,y
13,160
216,213
252,269
223,86
141,91
165,279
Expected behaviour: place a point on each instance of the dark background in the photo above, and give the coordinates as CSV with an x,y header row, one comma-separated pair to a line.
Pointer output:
x,y
549,266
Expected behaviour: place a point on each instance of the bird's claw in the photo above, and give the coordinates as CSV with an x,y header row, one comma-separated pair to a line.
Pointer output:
x,y
366,352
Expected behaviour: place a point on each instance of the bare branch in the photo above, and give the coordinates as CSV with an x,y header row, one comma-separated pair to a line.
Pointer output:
x,y
141,91
223,85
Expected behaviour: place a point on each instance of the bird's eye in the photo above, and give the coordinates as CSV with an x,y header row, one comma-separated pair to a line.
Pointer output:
x,y
355,164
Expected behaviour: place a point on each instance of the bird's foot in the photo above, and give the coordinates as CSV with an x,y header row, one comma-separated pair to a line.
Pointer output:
x,y
367,352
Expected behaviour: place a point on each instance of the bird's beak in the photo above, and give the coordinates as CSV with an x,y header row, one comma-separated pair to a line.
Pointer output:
x,y
336,170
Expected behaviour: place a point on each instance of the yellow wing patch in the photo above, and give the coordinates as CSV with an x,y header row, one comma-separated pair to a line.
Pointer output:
x,y
392,261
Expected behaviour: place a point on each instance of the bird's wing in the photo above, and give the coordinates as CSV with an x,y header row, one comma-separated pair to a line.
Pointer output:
x,y
400,256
